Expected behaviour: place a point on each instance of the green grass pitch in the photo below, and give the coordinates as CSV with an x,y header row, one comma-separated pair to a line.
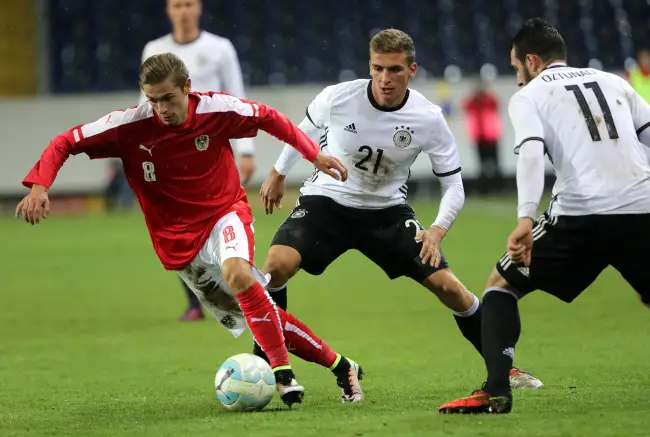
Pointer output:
x,y
90,345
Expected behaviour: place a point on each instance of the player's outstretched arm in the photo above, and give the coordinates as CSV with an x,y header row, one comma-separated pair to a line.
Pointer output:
x,y
97,140
272,190
290,156
445,162
530,187
530,178
316,120
250,116
35,205
451,202
529,145
529,140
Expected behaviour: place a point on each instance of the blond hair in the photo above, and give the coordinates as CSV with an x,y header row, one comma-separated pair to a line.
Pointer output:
x,y
158,68
393,41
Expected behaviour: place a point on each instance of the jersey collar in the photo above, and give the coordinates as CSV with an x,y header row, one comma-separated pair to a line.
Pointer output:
x,y
556,65
187,42
376,105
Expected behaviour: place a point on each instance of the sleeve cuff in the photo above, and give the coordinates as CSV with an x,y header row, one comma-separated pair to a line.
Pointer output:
x,y
447,173
442,223
525,140
528,210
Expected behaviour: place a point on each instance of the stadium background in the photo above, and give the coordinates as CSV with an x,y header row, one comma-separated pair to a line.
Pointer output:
x,y
73,60
87,314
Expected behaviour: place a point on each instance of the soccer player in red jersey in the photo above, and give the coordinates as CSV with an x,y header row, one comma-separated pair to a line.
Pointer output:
x,y
178,159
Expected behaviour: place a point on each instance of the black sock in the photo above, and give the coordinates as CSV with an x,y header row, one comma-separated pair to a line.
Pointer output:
x,y
194,301
469,324
342,367
501,329
280,298
257,351
284,376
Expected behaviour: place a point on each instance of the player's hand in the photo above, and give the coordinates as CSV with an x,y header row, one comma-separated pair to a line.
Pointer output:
x,y
246,168
272,191
431,240
35,205
331,166
520,242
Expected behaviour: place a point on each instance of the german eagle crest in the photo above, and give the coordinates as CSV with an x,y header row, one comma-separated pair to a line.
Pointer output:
x,y
402,136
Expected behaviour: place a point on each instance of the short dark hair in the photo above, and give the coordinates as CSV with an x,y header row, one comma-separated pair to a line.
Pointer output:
x,y
537,37
393,41
158,68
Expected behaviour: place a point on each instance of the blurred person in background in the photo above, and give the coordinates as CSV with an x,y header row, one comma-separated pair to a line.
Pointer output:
x,y
639,75
213,65
484,128
117,194
211,60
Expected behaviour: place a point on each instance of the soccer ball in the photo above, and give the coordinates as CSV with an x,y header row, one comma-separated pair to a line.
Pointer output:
x,y
245,382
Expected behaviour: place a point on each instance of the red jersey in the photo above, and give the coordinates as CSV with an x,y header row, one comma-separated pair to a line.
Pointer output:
x,y
483,120
185,177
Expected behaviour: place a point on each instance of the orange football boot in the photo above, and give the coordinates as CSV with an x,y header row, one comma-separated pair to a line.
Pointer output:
x,y
479,402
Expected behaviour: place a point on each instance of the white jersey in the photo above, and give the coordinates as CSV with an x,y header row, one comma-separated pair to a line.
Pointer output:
x,y
211,60
589,121
213,66
377,145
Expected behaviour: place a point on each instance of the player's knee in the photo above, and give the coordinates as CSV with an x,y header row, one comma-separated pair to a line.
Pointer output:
x,y
237,274
497,282
450,291
444,282
281,263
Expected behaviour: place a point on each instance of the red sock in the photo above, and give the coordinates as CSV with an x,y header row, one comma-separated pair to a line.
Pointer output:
x,y
264,322
303,343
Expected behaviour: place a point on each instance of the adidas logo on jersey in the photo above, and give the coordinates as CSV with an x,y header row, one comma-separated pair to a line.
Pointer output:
x,y
524,271
351,128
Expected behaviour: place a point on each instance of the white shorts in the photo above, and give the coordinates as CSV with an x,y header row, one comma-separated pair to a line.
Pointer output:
x,y
231,237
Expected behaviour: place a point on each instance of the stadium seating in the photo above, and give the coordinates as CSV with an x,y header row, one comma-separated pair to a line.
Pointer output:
x,y
96,46
17,49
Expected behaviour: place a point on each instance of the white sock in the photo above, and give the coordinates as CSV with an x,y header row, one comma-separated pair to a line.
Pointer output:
x,y
472,309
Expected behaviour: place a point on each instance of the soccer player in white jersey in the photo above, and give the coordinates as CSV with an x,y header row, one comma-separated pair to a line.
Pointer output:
x,y
593,127
214,66
377,127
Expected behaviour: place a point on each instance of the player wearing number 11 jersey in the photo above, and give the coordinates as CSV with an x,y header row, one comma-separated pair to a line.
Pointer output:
x,y
593,126
378,128
178,159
